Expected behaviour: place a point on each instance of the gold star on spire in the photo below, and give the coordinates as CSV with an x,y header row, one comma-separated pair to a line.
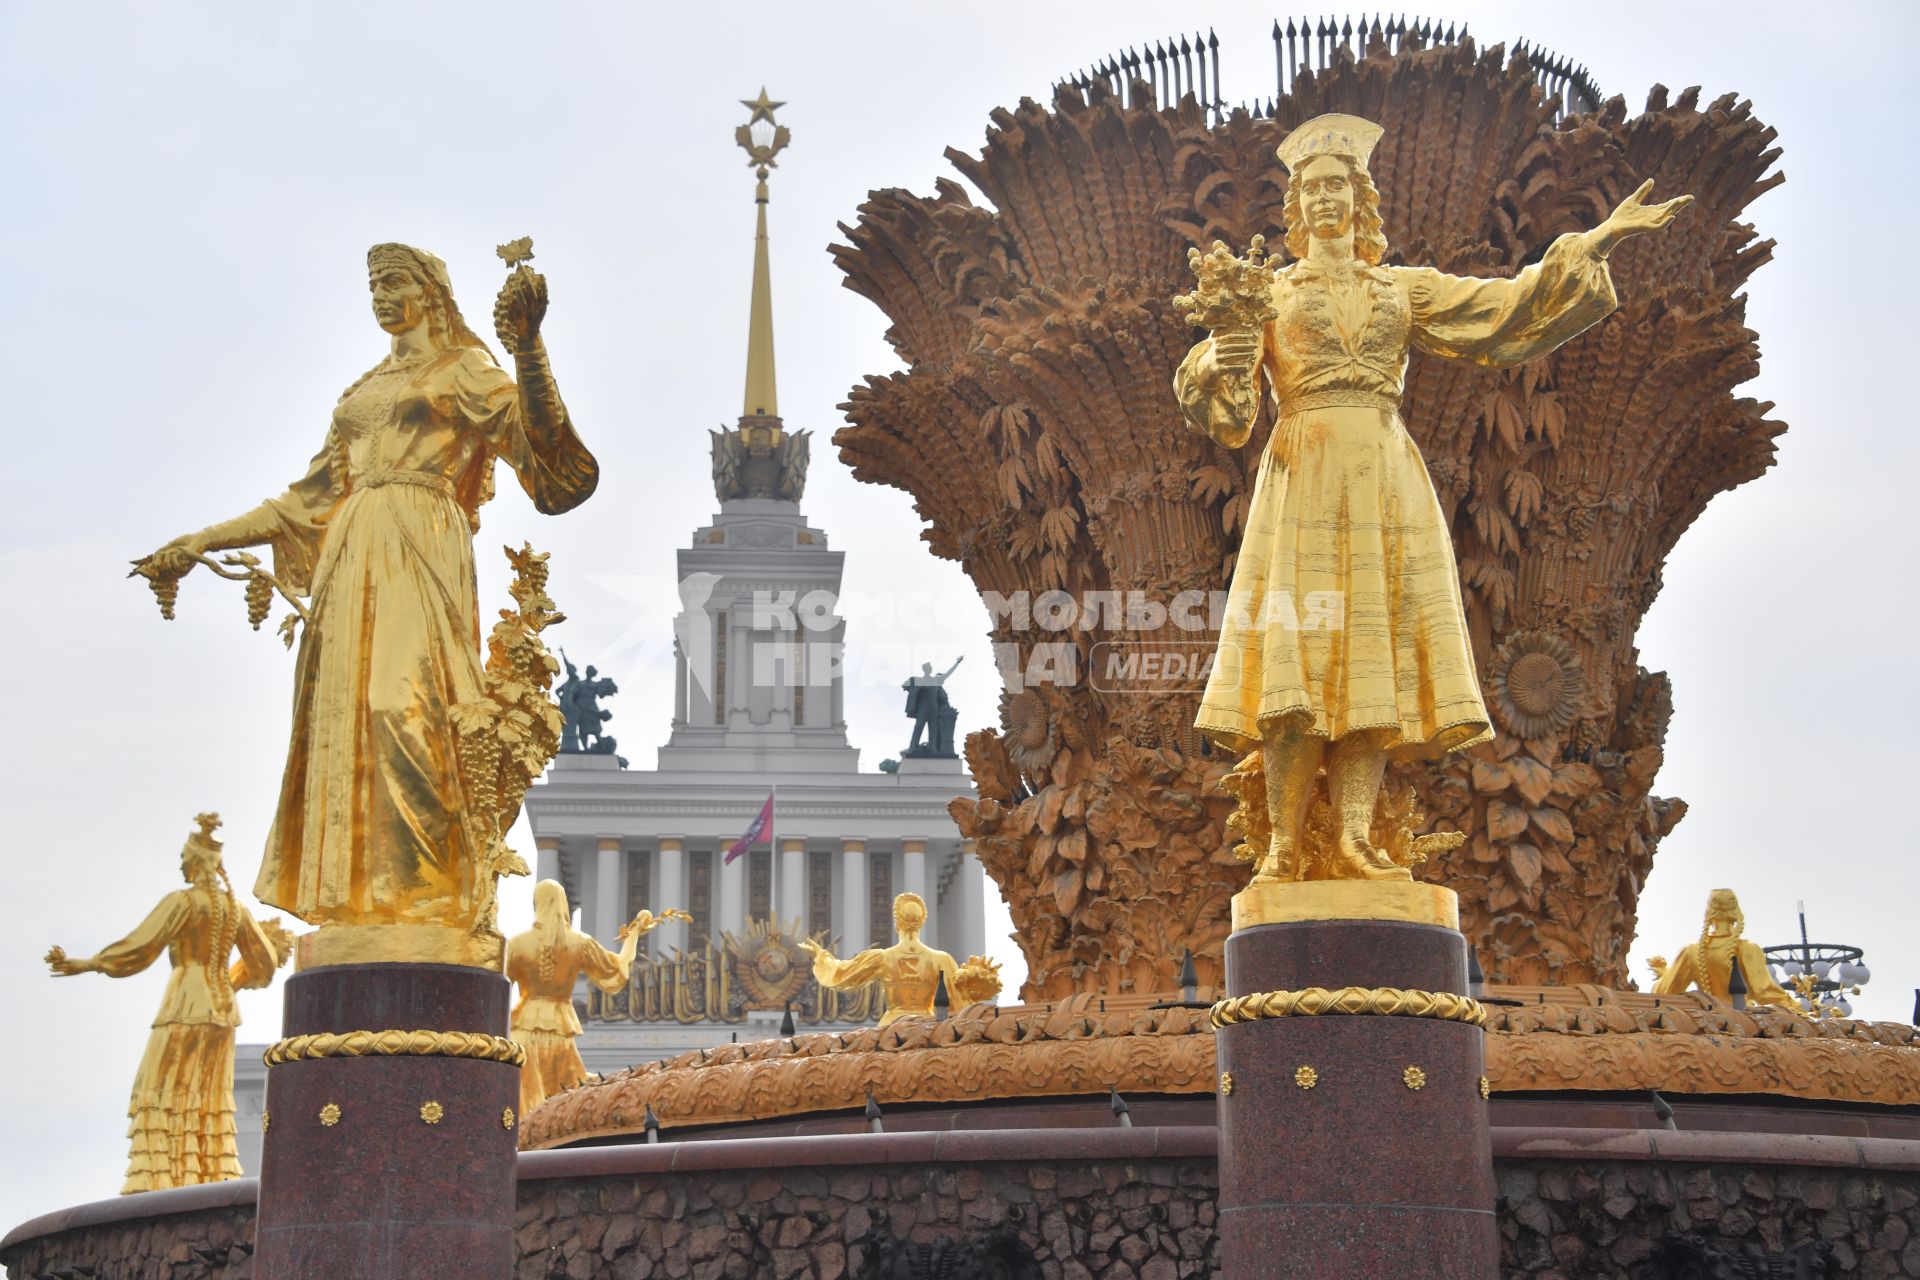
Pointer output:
x,y
762,107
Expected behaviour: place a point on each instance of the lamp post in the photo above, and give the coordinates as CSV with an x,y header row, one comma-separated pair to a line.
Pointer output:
x,y
1823,973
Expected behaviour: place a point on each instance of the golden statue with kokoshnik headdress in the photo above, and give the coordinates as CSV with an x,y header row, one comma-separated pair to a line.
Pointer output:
x,y
180,1127
408,759
1345,641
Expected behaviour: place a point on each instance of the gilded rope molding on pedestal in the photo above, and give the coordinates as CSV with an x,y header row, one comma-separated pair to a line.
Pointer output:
x,y
1387,1001
419,1044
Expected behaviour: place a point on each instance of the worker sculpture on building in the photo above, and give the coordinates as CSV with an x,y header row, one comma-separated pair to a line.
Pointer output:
x,y
910,969
579,698
933,714
1345,641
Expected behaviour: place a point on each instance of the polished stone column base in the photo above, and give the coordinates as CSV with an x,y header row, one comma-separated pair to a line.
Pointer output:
x,y
383,1165
1353,1145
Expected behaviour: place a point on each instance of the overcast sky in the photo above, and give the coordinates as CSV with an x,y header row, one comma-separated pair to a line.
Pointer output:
x,y
189,194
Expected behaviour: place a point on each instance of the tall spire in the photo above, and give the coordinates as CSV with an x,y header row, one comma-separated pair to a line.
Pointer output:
x,y
762,137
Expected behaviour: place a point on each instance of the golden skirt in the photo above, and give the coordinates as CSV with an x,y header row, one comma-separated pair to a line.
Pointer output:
x,y
553,1066
1345,612
180,1127
369,825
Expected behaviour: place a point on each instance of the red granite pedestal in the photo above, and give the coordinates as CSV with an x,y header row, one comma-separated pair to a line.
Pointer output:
x,y
381,1166
1336,1161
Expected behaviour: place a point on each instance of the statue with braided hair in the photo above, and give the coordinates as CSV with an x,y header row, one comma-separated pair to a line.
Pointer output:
x,y
1708,963
180,1117
376,823
546,961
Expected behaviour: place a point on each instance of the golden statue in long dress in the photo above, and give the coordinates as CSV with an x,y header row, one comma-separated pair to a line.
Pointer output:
x,y
376,824
909,970
545,962
1345,640
180,1115
1708,963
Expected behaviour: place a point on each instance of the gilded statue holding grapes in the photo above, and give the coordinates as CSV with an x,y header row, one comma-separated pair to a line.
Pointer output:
x,y
1345,641
374,825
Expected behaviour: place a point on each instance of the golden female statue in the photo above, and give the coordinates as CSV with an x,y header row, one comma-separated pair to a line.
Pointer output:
x,y
1708,963
1345,640
546,961
374,825
180,1117
910,970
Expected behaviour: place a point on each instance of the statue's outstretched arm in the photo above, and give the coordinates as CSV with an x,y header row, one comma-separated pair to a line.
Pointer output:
x,y
135,951
1631,217
1679,975
856,970
290,522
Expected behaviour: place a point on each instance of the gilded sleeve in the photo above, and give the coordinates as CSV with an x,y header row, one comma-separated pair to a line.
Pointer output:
x,y
527,424
1219,405
1500,323
1761,988
854,971
257,962
141,947
603,968
1680,974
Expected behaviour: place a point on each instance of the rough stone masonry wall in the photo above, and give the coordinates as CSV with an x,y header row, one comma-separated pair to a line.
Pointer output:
x,y
1561,1221
1120,1204
1137,1220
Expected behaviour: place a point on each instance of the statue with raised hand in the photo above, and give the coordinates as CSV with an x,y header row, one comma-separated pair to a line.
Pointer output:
x,y
909,970
378,822
546,961
180,1116
1345,641
932,713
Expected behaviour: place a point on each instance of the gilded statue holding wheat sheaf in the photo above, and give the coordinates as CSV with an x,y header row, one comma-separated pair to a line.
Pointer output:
x,y
408,758
1345,640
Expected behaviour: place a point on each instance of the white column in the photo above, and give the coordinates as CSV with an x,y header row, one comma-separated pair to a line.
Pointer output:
x,y
702,694
609,891
972,886
790,874
739,669
838,702
679,685
913,878
850,896
546,858
730,896
670,890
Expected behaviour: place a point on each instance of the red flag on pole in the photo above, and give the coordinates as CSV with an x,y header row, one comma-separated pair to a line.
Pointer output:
x,y
754,832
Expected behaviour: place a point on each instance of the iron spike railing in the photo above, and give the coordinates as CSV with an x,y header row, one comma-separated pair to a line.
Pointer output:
x,y
1171,68
1176,67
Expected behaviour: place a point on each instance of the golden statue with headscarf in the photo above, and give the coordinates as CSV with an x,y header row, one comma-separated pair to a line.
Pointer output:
x,y
1345,641
376,827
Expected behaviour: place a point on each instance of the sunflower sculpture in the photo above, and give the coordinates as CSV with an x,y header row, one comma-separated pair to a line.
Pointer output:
x,y
1537,684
